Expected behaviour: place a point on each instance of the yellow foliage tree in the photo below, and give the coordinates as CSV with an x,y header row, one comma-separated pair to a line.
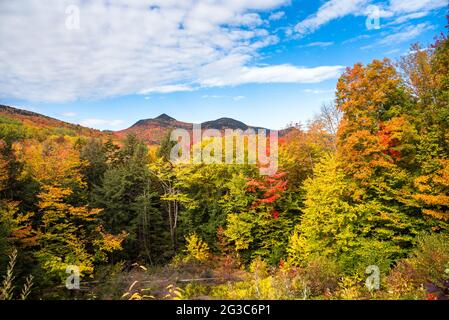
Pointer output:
x,y
196,249
433,192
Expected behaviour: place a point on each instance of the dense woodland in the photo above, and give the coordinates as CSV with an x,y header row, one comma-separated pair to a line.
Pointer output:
x,y
365,183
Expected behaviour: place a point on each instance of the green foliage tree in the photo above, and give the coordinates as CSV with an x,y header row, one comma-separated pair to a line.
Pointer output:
x,y
128,197
95,154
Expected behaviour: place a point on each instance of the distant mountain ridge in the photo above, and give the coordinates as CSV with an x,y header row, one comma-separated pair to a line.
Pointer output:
x,y
163,118
227,123
151,130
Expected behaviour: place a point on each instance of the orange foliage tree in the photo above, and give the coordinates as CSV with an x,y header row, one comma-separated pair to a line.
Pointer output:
x,y
69,232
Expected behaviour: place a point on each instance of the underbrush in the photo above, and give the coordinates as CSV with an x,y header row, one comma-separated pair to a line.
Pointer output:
x,y
198,275
424,274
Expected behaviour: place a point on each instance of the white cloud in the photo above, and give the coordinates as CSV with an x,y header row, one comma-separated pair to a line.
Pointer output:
x,y
68,114
400,10
231,71
100,123
318,44
275,74
413,9
356,39
318,91
137,46
406,34
410,16
401,6
331,10
401,34
392,51
212,96
276,15
215,96
166,89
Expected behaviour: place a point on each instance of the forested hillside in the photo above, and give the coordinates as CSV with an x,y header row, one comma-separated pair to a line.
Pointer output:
x,y
364,184
18,124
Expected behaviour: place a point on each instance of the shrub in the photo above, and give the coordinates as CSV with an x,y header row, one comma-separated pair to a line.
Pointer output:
x,y
426,266
196,249
402,283
259,268
350,287
195,290
430,259
321,276
370,252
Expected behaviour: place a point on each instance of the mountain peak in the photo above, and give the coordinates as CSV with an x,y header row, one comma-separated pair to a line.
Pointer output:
x,y
224,123
165,117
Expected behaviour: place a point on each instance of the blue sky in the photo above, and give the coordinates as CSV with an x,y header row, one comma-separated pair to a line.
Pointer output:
x,y
107,64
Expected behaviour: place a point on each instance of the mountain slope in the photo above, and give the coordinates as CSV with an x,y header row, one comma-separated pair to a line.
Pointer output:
x,y
36,123
154,130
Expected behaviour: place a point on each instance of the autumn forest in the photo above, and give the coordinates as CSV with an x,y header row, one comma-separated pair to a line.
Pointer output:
x,y
362,188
